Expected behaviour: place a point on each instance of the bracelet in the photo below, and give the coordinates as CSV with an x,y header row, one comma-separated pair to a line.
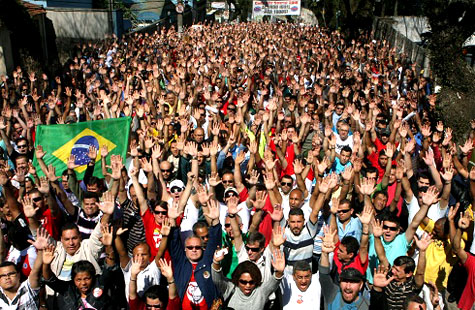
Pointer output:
x,y
398,181
133,279
215,262
464,155
363,233
170,283
231,215
321,175
347,183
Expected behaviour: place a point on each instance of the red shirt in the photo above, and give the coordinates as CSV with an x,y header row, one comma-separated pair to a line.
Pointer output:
x,y
51,223
468,296
153,234
193,298
138,304
265,226
355,263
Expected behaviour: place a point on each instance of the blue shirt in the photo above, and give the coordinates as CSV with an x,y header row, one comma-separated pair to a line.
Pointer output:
x,y
353,229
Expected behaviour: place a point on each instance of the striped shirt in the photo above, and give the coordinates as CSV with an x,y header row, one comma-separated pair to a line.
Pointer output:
x,y
299,247
132,221
396,293
26,298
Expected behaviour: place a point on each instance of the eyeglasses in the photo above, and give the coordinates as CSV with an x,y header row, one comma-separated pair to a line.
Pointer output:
x,y
244,282
167,170
153,306
390,228
227,225
286,183
227,181
160,212
196,247
255,250
344,211
37,199
21,146
8,275
204,237
175,189
231,194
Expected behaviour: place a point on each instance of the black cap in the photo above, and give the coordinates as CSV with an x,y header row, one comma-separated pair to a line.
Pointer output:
x,y
351,274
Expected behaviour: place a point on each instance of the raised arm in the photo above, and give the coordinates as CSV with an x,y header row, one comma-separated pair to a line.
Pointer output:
x,y
365,218
377,228
428,199
422,245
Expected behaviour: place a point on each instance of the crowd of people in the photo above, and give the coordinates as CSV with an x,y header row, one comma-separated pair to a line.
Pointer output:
x,y
269,166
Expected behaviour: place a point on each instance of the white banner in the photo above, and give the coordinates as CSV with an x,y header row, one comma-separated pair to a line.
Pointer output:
x,y
279,7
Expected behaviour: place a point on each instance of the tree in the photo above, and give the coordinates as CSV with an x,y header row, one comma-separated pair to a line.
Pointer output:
x,y
452,23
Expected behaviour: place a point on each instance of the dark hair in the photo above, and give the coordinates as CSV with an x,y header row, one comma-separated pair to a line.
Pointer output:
x,y
162,204
91,195
346,201
413,298
346,148
371,169
407,262
157,291
247,267
301,265
93,180
295,211
69,226
287,176
380,192
7,264
391,218
423,175
83,266
257,237
351,244
198,225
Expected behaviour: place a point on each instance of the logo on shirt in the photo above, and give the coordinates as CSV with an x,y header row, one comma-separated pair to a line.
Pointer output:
x,y
300,299
194,293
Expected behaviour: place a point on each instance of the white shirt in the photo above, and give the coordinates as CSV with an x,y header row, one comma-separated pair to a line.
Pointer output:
x,y
244,214
307,210
146,278
293,298
190,215
435,212
340,143
26,298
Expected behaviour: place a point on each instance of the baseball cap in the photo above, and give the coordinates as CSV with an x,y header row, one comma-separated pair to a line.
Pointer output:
x,y
230,189
177,183
351,274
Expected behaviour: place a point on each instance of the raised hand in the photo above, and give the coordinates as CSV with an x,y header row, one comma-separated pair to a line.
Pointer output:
x,y
430,196
107,205
166,269
467,147
213,210
42,238
146,164
72,162
278,236
253,178
367,186
324,185
156,151
44,185
448,174
104,151
377,228
380,278
166,227
367,214
39,152
277,214
298,166
423,242
464,221
269,181
278,261
429,158
92,154
107,234
135,268
28,208
232,204
49,254
260,202
218,256
347,173
51,174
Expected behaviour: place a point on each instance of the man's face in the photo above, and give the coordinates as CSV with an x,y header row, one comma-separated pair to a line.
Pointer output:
x,y
254,251
176,191
167,170
37,199
199,135
344,212
380,201
71,240
343,131
22,147
5,210
303,279
83,281
22,164
344,157
384,139
399,274
89,206
93,188
390,231
371,176
383,161
416,306
339,109
438,231
203,234
9,278
64,181
174,150
350,290
193,249
295,199
154,304
160,214
228,180
423,182
343,254
141,253
296,223
392,176
286,185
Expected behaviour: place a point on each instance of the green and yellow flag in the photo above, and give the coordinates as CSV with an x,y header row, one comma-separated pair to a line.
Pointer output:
x,y
60,141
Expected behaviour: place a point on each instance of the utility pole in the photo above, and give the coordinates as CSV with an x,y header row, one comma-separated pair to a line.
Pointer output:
x,y
180,8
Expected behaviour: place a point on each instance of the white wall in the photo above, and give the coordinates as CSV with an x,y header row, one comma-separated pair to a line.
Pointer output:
x,y
79,23
6,57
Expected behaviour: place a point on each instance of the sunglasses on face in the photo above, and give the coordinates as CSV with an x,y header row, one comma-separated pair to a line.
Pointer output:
x,y
167,170
286,183
22,146
390,228
196,247
231,194
37,199
227,181
160,212
255,250
174,190
344,211
153,306
244,282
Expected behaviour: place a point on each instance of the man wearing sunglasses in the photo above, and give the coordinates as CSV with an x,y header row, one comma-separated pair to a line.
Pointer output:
x,y
243,212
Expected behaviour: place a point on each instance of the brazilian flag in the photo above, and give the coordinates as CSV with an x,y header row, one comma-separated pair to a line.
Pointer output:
x,y
60,141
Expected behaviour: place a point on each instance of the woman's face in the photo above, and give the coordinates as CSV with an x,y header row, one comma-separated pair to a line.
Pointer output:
x,y
246,284
83,281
